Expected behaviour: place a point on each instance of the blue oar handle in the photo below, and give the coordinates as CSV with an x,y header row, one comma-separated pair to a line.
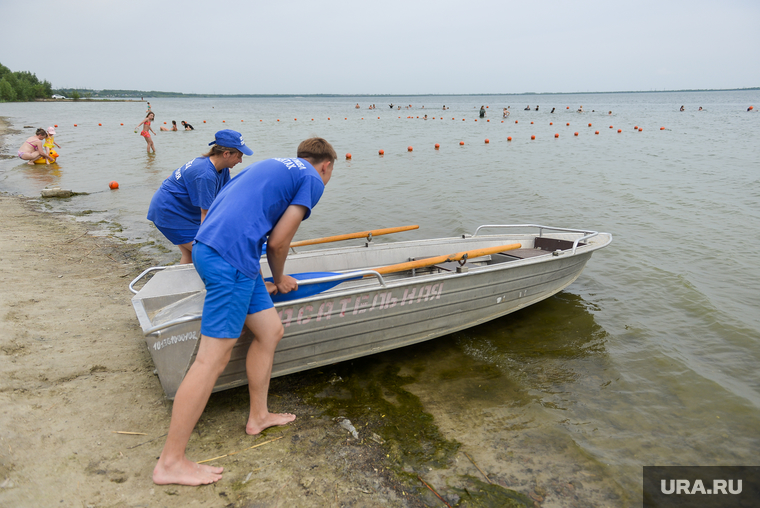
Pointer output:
x,y
343,276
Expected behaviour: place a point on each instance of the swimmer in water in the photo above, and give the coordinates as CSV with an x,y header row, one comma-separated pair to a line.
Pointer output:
x,y
552,111
527,108
580,109
682,108
172,128
536,107
187,126
357,106
482,111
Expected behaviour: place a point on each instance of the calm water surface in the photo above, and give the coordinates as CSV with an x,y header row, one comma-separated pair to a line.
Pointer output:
x,y
650,358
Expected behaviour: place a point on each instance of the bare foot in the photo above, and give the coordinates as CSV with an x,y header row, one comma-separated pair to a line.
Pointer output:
x,y
254,426
31,163
186,472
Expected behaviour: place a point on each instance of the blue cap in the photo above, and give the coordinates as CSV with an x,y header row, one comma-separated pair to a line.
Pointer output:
x,y
231,139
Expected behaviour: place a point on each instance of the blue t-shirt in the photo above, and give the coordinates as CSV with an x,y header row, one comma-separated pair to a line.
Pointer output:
x,y
247,209
177,203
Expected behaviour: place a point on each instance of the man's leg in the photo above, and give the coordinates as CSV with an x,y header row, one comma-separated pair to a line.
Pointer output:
x,y
187,253
189,403
267,332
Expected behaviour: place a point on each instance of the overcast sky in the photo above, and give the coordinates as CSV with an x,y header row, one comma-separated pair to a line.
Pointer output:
x,y
384,47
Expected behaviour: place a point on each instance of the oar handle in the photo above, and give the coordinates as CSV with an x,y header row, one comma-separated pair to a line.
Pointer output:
x,y
350,236
422,263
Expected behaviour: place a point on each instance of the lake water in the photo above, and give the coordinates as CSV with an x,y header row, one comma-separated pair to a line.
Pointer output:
x,y
650,358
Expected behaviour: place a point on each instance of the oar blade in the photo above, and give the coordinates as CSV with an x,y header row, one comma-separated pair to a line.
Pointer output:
x,y
306,291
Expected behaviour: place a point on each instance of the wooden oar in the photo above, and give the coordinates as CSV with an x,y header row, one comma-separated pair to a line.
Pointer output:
x,y
422,263
307,290
349,236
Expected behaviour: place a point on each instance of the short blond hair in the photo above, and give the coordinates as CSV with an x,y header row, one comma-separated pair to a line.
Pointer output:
x,y
316,150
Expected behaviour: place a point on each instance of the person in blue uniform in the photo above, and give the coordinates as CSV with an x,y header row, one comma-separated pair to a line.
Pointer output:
x,y
265,202
179,206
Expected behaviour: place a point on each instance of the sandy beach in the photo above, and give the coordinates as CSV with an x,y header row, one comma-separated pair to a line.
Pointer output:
x,y
75,373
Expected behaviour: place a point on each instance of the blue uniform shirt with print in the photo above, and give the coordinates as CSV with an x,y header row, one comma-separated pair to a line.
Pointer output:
x,y
177,203
247,209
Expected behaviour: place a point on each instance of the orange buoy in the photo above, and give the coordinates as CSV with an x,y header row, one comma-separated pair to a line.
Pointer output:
x,y
556,135
381,152
113,185
348,156
509,138
597,132
640,129
379,118
488,140
312,119
610,126
551,123
409,149
488,120
463,119
662,128
241,120
502,121
476,119
345,119
164,123
589,125
567,107
532,137
531,123
635,127
487,107
75,125
328,117
437,146
576,133
452,118
121,124
263,120
100,124
568,124
225,121
620,130
56,126
515,121
461,143
204,121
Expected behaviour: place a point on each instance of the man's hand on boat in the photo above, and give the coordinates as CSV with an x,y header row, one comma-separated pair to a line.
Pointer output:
x,y
286,285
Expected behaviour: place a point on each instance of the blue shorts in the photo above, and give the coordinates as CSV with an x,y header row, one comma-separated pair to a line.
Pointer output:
x,y
178,236
230,295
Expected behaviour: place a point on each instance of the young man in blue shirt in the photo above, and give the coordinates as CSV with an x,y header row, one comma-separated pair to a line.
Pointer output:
x,y
265,202
180,205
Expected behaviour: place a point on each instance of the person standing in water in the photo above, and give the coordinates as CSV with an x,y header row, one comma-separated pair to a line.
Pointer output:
x,y
179,206
146,130
266,202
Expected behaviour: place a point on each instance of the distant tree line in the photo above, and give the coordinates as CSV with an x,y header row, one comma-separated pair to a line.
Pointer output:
x,y
22,86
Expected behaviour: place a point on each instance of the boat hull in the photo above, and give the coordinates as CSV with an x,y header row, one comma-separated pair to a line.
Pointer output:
x,y
364,317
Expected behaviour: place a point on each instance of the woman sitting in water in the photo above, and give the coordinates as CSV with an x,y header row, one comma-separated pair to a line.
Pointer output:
x,y
187,126
32,149
173,127
527,108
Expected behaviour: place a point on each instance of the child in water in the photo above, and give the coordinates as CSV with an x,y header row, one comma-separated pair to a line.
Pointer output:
x,y
146,130
50,142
